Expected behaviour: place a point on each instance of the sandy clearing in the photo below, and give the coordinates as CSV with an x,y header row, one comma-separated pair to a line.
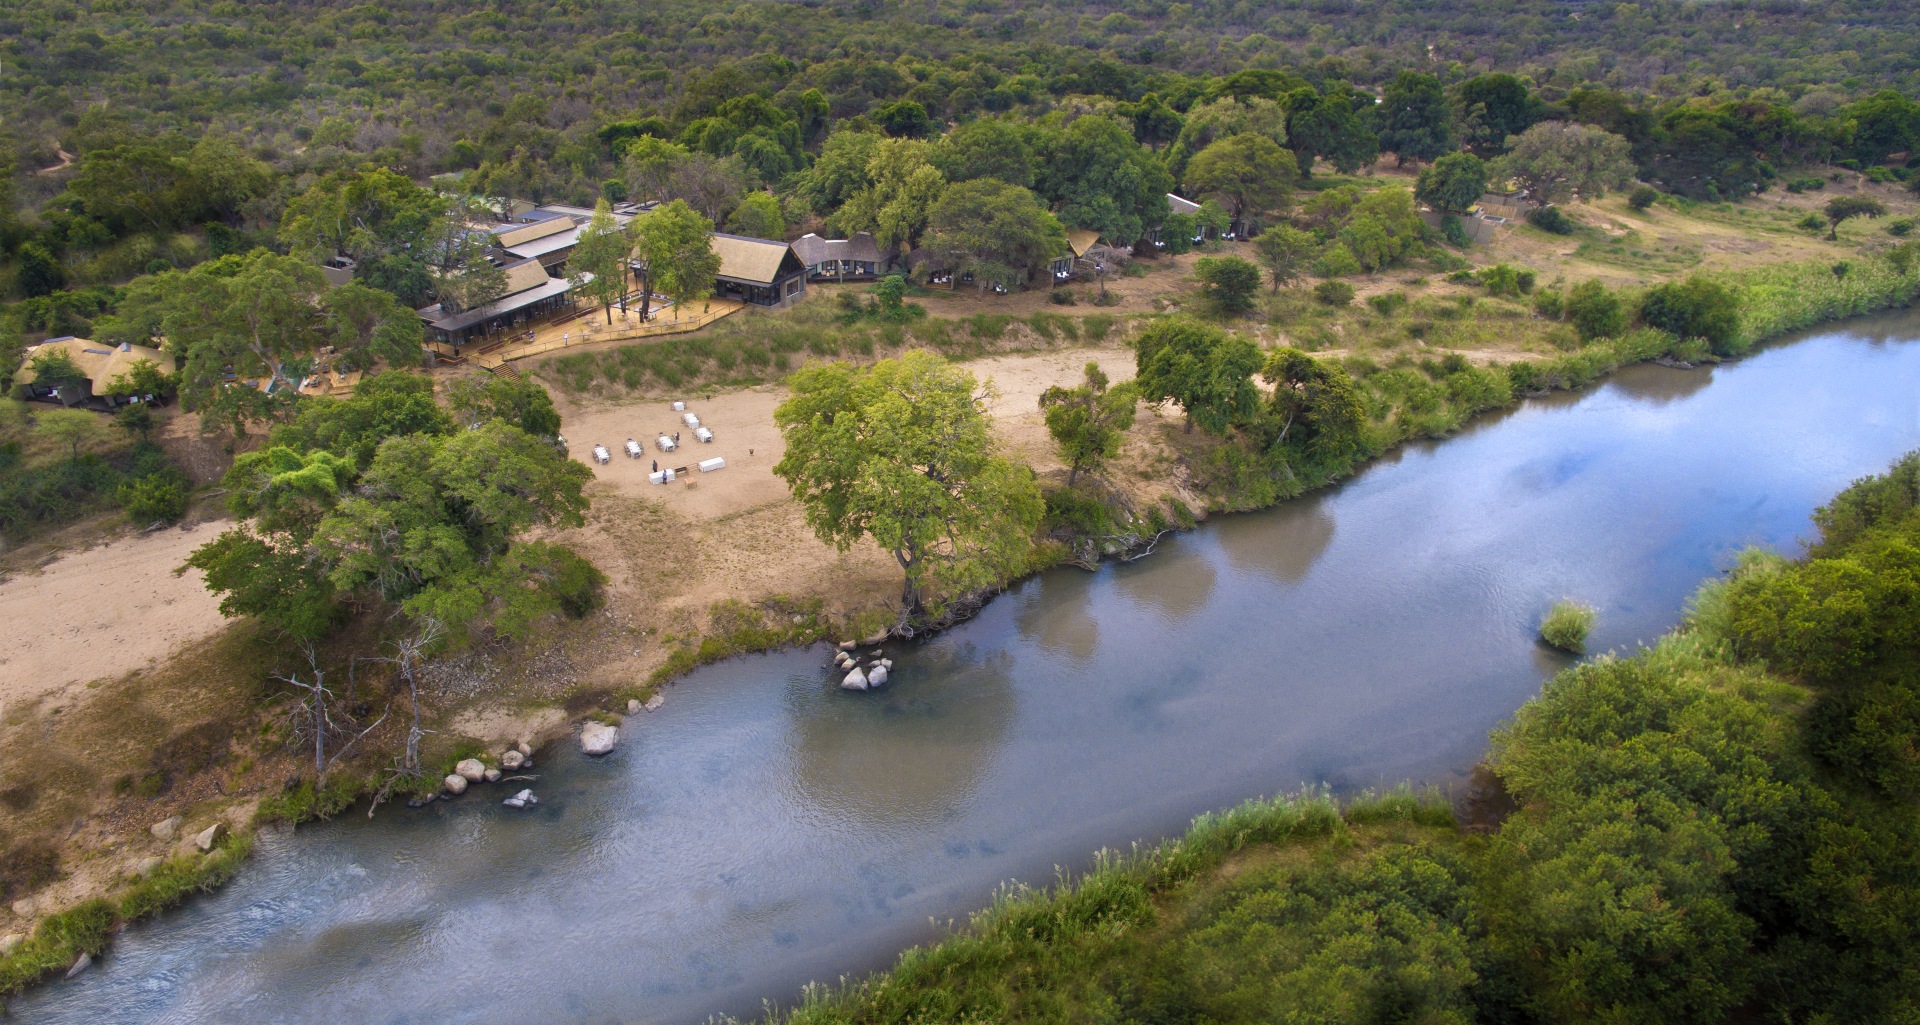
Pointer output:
x,y
103,612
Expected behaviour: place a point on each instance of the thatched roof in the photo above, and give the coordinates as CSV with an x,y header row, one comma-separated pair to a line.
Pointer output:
x,y
524,233
101,362
751,260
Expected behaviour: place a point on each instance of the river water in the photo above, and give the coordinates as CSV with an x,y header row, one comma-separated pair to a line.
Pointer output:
x,y
765,829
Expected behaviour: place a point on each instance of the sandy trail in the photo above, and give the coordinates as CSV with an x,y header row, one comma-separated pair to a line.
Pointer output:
x,y
103,612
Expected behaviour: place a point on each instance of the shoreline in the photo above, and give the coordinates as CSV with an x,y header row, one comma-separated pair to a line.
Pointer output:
x,y
81,927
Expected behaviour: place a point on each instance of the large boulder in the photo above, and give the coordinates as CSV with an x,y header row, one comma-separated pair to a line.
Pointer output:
x,y
633,706
855,680
81,965
493,775
165,829
455,783
473,770
25,907
877,676
146,867
653,703
521,800
512,760
209,837
597,738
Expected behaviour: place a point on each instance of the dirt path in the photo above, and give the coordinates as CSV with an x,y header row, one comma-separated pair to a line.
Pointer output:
x,y
103,612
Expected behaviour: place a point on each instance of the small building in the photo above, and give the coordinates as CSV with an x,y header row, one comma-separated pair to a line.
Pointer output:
x,y
758,271
531,293
101,363
839,259
1086,253
1501,207
1176,205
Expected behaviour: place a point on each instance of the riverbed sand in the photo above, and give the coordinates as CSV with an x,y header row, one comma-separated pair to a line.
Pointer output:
x,y
103,612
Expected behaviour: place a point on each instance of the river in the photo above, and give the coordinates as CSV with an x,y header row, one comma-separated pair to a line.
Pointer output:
x,y
765,829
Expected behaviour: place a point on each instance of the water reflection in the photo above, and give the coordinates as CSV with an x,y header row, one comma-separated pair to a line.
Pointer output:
x,y
1057,614
1283,545
1174,597
907,754
1658,385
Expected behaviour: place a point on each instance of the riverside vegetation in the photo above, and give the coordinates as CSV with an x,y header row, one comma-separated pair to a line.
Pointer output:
x,y
1718,827
159,187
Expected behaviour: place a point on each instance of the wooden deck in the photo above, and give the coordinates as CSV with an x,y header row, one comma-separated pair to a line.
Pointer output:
x,y
589,327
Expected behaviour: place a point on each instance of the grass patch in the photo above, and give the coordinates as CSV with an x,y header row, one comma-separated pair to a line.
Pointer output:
x,y
1566,625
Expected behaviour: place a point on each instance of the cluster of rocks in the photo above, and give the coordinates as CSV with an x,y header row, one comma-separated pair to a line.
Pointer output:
x,y
469,771
874,674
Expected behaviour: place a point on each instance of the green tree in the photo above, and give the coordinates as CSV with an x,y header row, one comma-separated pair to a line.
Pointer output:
x,y
995,231
1285,251
1216,119
1384,228
37,271
758,216
143,378
597,267
1099,179
378,217
278,586
987,148
1695,308
901,452
1415,122
1453,183
1555,159
1595,310
1229,283
673,245
1314,402
839,171
1088,422
1846,208
648,165
1207,371
1249,173
903,187
73,429
522,403
1491,107
1333,127
384,405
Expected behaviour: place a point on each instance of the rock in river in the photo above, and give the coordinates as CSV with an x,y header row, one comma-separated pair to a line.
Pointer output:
x,y
521,799
473,770
877,676
493,775
597,738
855,680
456,783
512,760
86,961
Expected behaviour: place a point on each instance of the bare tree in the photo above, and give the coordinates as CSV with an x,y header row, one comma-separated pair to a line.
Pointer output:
x,y
319,716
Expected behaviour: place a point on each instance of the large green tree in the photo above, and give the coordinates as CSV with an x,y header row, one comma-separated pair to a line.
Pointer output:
x,y
1453,183
1099,179
1555,159
902,452
1315,403
597,267
1250,175
999,233
1415,122
673,246
1285,251
1206,370
903,185
388,225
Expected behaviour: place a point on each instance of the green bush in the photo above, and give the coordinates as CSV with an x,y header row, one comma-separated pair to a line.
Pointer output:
x,y
1643,197
155,498
1900,227
1595,311
1061,297
1566,625
1333,293
1695,308
1387,303
1552,219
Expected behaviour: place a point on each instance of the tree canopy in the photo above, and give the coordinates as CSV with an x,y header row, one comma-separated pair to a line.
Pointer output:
x,y
901,453
1206,370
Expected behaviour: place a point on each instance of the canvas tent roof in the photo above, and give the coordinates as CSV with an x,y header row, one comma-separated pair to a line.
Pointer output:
x,y
101,362
751,260
1178,205
812,249
520,234
1081,241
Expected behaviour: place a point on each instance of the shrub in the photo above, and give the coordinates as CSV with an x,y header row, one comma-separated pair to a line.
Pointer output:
x,y
154,498
1643,197
1811,222
1551,303
1061,297
1566,625
1799,185
1333,293
1595,311
1387,303
1336,261
1506,279
1454,232
1695,308
1551,218
1900,227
